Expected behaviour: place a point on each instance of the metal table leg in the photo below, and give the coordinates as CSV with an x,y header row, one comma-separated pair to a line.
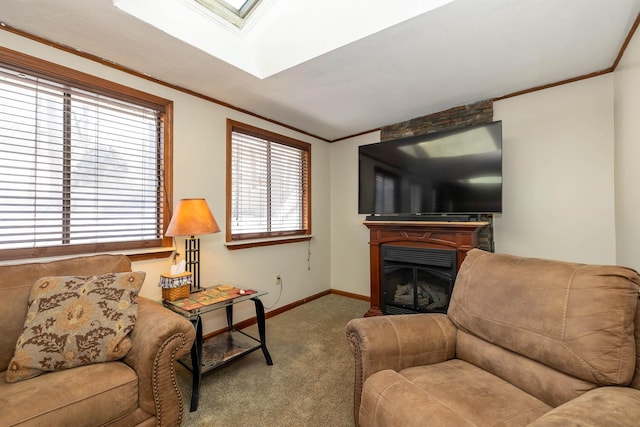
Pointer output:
x,y
229,309
261,329
196,363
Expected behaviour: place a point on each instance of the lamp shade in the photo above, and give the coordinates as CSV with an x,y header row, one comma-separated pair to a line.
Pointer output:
x,y
192,217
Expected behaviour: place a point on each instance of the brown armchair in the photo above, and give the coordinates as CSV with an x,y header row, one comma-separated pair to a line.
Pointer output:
x,y
525,342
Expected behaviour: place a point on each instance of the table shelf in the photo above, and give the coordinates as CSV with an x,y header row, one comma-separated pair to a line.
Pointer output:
x,y
222,349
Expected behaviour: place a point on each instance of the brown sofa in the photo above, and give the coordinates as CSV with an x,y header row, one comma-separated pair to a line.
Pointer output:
x,y
140,389
525,342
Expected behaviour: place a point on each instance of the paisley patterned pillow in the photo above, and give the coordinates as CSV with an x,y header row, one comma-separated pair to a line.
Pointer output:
x,y
73,321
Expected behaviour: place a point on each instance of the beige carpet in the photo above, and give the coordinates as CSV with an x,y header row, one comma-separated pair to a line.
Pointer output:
x,y
309,384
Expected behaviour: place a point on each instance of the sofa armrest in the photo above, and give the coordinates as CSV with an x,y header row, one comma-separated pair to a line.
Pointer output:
x,y
159,337
398,342
602,406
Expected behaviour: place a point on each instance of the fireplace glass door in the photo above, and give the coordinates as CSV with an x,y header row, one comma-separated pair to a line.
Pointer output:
x,y
416,280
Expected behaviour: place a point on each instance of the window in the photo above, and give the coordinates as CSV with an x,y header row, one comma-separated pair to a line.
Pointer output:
x,y
83,168
233,11
268,190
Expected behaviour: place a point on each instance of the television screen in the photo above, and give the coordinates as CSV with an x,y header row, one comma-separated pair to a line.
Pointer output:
x,y
451,172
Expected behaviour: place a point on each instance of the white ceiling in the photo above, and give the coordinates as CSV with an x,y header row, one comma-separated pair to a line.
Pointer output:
x,y
461,52
280,33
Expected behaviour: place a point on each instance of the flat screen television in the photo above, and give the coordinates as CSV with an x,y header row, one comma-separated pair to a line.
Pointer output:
x,y
450,172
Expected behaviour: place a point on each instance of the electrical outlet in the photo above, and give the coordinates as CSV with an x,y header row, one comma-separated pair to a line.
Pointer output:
x,y
278,280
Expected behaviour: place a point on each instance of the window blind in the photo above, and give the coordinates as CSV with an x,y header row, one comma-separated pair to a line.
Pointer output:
x,y
269,187
78,168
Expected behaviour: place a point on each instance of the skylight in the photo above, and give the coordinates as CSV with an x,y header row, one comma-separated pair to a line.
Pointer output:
x,y
233,11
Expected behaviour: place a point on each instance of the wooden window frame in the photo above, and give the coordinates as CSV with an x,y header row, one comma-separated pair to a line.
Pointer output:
x,y
52,71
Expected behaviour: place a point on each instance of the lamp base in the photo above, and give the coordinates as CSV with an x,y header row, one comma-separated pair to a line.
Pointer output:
x,y
192,260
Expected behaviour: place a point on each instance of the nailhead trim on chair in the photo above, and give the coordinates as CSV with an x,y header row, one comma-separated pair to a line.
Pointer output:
x,y
173,378
353,340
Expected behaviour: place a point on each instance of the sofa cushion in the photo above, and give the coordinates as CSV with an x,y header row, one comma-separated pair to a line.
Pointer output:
x,y
547,384
16,281
452,393
89,395
74,321
573,317
603,406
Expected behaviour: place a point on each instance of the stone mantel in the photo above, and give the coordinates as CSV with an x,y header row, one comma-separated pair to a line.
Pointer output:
x,y
458,236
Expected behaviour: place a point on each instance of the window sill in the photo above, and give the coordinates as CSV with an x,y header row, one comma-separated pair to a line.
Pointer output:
x,y
132,254
149,253
244,244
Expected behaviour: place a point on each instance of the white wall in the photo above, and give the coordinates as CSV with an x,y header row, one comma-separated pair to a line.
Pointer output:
x,y
349,237
627,155
199,171
558,197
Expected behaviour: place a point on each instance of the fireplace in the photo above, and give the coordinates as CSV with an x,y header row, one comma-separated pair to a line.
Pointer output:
x,y
416,280
423,254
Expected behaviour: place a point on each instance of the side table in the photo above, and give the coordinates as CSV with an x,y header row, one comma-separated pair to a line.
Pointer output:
x,y
217,351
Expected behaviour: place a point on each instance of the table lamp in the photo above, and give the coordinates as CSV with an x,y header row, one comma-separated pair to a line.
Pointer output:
x,y
192,217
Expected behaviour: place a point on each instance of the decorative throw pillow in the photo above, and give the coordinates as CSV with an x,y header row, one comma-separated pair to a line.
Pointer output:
x,y
76,320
